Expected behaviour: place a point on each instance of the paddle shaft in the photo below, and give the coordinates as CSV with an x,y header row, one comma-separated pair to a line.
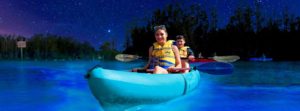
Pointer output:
x,y
169,69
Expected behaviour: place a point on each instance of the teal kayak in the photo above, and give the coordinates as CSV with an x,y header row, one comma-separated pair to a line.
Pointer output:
x,y
114,87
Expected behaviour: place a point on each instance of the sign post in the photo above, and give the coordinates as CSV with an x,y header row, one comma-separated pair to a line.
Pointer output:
x,y
21,44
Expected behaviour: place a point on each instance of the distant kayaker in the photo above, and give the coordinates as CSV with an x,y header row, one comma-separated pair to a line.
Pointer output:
x,y
163,55
185,52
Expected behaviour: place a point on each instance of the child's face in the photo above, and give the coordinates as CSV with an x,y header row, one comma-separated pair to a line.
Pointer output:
x,y
180,42
161,36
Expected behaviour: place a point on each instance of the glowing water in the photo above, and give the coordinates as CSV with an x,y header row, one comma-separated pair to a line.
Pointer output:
x,y
60,86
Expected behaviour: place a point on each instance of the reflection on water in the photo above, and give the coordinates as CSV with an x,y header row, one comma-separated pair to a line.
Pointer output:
x,y
49,86
45,86
262,73
232,98
60,86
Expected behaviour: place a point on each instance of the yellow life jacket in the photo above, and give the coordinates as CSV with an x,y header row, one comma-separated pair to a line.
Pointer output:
x,y
164,54
183,51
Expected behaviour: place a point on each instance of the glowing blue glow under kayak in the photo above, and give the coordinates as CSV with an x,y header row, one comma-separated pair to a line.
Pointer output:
x,y
260,59
113,87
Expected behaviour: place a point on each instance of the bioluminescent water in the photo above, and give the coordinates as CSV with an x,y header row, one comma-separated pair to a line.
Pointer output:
x,y
61,86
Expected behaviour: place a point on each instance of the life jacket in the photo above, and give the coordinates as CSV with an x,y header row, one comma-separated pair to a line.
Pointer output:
x,y
183,51
164,54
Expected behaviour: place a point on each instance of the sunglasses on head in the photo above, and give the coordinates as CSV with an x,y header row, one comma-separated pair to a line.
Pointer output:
x,y
159,27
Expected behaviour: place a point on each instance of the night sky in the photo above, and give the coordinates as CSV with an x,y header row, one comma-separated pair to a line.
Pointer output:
x,y
97,21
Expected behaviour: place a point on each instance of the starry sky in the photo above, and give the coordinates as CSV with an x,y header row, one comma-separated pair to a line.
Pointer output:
x,y
97,21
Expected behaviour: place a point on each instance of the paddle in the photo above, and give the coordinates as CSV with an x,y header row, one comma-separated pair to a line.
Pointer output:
x,y
126,57
172,70
231,58
215,68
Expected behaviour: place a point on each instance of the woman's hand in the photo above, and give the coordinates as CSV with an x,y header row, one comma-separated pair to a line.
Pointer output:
x,y
191,57
137,69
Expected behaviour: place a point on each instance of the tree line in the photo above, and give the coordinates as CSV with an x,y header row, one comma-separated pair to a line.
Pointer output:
x,y
52,47
248,33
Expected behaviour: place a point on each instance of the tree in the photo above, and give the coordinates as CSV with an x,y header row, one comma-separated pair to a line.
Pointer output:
x,y
107,51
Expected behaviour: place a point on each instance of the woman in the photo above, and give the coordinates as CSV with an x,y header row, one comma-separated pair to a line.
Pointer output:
x,y
185,52
163,55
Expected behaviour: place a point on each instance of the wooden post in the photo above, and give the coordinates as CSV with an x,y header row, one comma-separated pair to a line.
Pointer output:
x,y
22,54
21,44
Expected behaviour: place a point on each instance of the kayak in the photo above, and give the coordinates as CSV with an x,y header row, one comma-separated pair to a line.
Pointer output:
x,y
126,89
201,60
263,59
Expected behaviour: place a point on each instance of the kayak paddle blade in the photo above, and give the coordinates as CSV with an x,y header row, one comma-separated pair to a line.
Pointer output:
x,y
227,59
126,57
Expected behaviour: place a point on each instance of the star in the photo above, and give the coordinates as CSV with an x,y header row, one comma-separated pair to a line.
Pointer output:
x,y
108,30
259,1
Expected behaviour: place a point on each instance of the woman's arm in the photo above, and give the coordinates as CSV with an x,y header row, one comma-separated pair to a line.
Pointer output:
x,y
177,57
190,54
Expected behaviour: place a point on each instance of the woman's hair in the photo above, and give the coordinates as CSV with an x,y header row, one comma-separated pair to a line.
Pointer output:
x,y
179,37
160,27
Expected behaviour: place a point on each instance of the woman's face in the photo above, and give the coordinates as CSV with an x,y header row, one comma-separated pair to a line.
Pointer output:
x,y
161,36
